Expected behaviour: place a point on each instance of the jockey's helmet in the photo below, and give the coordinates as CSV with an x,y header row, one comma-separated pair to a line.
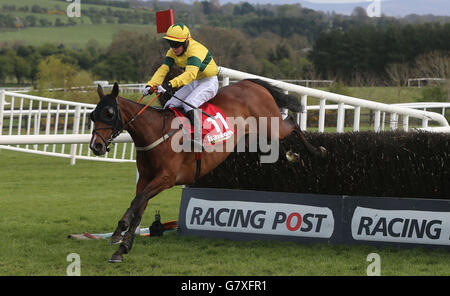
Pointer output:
x,y
177,34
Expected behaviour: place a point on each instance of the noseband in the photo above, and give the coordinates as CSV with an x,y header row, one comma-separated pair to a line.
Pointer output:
x,y
108,112
113,117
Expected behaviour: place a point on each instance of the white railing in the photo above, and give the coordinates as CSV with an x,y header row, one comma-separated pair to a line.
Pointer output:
x,y
62,128
342,100
426,106
419,81
53,127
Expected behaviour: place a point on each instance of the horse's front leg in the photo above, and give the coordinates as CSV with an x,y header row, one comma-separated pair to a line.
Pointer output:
x,y
125,221
137,208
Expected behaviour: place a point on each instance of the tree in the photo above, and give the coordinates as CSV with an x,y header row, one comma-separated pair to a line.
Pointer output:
x,y
230,48
21,69
6,68
59,23
141,47
117,67
53,73
36,9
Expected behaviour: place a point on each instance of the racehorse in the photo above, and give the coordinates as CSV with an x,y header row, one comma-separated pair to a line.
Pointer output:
x,y
160,167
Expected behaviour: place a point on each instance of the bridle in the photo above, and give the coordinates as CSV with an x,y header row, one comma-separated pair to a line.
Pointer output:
x,y
113,117
108,114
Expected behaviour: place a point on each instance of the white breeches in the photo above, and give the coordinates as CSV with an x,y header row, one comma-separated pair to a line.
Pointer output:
x,y
195,93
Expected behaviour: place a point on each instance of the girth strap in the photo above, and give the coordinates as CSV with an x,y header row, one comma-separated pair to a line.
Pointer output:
x,y
157,142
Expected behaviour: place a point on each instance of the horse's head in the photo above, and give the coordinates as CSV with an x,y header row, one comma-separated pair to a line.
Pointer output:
x,y
107,120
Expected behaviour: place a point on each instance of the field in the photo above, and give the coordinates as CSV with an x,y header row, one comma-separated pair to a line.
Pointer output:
x,y
43,199
72,36
75,36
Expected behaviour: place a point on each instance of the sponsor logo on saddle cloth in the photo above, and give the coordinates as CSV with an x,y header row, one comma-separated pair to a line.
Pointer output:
x,y
214,130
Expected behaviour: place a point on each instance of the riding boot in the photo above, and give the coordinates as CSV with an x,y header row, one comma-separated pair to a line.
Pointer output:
x,y
197,130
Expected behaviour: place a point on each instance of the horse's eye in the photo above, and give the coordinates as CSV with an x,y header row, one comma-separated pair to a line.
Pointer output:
x,y
108,113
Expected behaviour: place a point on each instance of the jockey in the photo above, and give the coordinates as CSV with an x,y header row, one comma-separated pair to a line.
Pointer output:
x,y
198,83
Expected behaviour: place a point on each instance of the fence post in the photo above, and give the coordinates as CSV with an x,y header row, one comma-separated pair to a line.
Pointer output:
x,y
2,110
303,118
405,122
340,118
376,122
356,118
393,121
225,81
76,127
322,110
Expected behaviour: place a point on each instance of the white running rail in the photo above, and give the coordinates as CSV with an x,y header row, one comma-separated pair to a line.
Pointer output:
x,y
342,101
62,128
53,127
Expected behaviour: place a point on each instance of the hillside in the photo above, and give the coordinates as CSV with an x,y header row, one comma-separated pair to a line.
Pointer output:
x,y
277,41
37,22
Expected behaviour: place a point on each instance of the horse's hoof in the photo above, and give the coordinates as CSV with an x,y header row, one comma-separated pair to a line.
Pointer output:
x,y
292,157
115,258
115,240
323,152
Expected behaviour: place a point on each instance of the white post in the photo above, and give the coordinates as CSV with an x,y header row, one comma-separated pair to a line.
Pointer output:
x,y
393,122
356,119
322,115
76,127
405,122
376,123
2,109
47,124
340,118
225,81
303,118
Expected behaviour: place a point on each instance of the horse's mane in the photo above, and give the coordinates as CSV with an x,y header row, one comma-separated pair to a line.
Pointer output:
x,y
158,109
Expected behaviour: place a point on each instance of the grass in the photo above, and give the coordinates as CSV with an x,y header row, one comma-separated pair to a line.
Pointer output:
x,y
52,4
43,199
73,36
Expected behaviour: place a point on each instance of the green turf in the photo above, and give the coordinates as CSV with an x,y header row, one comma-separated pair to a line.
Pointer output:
x,y
53,4
73,36
43,199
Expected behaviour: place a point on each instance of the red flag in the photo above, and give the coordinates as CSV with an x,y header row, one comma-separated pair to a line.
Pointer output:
x,y
164,19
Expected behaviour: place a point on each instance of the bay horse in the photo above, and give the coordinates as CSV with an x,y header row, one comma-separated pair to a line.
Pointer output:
x,y
161,168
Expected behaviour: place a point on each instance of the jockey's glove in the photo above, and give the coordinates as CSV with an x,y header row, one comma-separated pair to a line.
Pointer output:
x,y
166,86
147,90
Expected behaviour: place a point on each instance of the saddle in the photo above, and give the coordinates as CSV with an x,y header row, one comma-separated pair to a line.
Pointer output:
x,y
215,127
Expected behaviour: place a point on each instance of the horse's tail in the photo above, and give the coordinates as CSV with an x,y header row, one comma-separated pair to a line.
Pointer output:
x,y
283,100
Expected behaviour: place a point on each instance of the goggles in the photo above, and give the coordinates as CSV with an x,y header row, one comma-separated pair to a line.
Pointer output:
x,y
174,44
